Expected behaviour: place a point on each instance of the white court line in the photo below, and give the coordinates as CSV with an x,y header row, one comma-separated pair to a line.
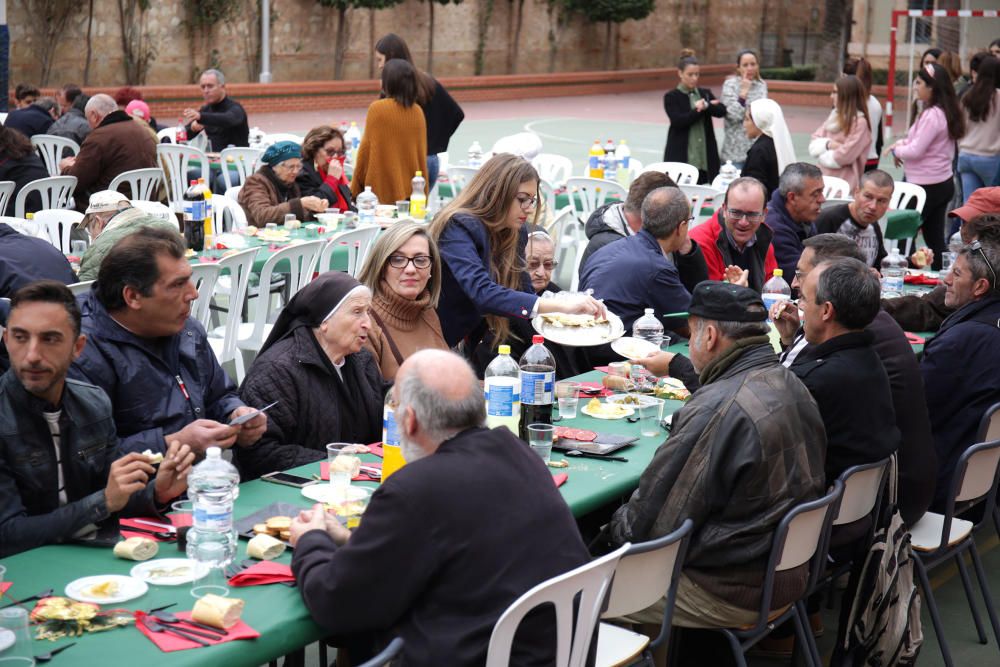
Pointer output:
x,y
529,127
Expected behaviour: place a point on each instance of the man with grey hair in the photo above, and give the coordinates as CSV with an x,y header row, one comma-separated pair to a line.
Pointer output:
x,y
436,560
115,144
221,117
634,274
746,448
792,212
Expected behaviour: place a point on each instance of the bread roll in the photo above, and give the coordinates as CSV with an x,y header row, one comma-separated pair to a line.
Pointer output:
x,y
219,612
276,523
265,547
260,529
136,548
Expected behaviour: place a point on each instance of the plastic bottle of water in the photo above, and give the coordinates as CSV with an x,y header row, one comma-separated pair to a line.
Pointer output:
x,y
366,202
344,127
648,327
893,270
213,486
776,289
538,378
610,161
594,168
623,155
502,389
418,199
353,139
954,245
475,155
727,174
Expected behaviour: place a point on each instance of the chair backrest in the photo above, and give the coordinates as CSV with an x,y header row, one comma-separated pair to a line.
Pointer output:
x,y
634,169
143,183
168,133
51,148
176,162
547,194
588,194
701,196
903,193
863,486
590,581
234,192
358,242
301,260
271,139
834,187
154,208
55,191
237,216
58,224
388,654
682,172
976,472
80,288
6,190
459,177
553,168
239,266
830,202
243,159
204,276
989,426
646,572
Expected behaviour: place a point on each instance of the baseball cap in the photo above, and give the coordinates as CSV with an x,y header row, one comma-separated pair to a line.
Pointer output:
x,y
983,200
138,109
105,200
725,302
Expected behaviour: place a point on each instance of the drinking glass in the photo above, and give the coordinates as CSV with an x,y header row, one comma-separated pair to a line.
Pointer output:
x,y
185,507
540,438
289,217
77,248
403,208
568,394
649,416
344,464
214,581
14,631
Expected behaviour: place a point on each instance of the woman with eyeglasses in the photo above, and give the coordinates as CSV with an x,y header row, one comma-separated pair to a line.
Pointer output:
x,y
403,272
482,235
323,172
271,194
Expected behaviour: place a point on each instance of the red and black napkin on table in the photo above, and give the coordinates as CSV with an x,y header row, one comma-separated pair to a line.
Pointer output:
x,y
560,479
167,642
264,572
145,530
4,586
920,279
604,391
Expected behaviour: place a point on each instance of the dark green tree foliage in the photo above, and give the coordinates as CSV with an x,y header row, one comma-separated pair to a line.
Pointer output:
x,y
609,12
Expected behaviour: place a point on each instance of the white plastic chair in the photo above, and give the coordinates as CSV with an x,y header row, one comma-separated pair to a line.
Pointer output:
x,y
271,139
245,161
238,217
835,187
143,183
586,195
176,162
567,274
681,172
359,243
80,288
6,190
553,168
154,208
903,195
58,223
547,193
239,267
701,196
168,133
51,149
234,192
590,581
55,191
204,276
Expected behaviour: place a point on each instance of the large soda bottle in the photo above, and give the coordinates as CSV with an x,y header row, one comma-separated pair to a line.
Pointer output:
x,y
418,199
538,377
776,289
594,169
206,193
954,245
475,155
194,217
213,486
502,389
727,175
648,327
392,451
893,270
180,133
366,202
623,155
610,161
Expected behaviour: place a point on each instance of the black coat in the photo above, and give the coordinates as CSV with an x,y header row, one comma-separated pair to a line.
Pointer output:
x,y
24,259
441,584
851,387
23,171
312,410
443,116
225,124
762,163
682,116
30,120
311,184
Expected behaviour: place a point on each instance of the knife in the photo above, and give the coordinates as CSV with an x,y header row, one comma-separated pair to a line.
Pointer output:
x,y
162,526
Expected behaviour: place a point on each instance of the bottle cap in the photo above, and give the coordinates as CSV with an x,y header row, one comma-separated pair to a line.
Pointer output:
x,y
778,273
193,182
504,349
537,339
420,173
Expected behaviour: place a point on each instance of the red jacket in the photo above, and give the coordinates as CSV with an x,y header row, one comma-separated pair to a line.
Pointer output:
x,y
714,246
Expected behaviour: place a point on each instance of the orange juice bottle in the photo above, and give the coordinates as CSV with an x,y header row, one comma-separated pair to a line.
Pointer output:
x,y
392,453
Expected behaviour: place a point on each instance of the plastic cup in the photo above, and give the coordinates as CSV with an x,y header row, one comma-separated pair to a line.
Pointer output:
x,y
567,393
343,462
214,580
540,439
649,416
78,248
182,507
14,626
618,369
403,208
289,217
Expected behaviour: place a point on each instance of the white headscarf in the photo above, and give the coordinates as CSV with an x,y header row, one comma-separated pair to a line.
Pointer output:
x,y
767,115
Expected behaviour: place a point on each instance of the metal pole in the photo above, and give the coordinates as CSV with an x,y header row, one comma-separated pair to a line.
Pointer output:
x,y
909,82
265,41
890,103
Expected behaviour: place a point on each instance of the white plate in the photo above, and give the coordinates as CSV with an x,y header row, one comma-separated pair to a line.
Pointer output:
x,y
128,588
581,336
601,415
323,493
635,349
147,571
620,398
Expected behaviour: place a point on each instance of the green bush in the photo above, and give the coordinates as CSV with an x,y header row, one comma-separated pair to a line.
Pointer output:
x,y
880,77
795,73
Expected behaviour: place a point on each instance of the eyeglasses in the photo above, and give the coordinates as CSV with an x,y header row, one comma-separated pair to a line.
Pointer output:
x,y
976,245
549,265
290,166
527,202
401,262
333,151
751,216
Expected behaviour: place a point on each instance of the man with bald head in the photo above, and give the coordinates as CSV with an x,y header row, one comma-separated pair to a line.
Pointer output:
x,y
448,542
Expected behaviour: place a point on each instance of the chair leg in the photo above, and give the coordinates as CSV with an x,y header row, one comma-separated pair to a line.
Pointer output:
x,y
963,571
987,596
806,639
996,518
734,643
322,653
933,610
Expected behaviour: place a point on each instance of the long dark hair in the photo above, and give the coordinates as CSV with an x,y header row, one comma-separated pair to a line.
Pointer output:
x,y
399,81
943,95
862,69
981,97
393,47
14,145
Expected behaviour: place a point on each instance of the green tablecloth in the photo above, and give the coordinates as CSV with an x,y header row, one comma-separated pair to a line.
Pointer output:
x,y
338,261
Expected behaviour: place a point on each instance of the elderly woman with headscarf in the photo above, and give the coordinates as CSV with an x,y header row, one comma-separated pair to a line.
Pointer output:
x,y
271,193
328,387
772,149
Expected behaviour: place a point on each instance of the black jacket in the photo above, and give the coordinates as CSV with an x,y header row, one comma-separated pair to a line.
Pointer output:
x,y
30,120
682,117
30,515
762,163
25,259
443,117
225,124
311,411
311,184
23,171
442,584
851,387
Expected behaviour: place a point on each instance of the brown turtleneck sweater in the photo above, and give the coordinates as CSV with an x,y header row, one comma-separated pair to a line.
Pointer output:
x,y
413,325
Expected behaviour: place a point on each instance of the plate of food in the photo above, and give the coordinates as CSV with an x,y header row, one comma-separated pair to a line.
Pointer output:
x,y
598,410
671,388
169,571
106,589
635,349
578,330
630,400
328,495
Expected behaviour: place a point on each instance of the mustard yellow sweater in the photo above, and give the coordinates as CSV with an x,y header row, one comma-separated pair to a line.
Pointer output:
x,y
392,150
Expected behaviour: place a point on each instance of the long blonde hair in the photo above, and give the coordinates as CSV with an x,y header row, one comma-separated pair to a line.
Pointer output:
x,y
852,98
389,242
488,197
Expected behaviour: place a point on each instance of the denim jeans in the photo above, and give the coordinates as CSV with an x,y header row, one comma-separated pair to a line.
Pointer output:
x,y
976,171
433,168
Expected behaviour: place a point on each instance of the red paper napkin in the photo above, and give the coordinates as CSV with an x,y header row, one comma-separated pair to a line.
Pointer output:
x,y
176,520
594,385
264,572
324,471
920,279
167,642
4,586
560,479
914,339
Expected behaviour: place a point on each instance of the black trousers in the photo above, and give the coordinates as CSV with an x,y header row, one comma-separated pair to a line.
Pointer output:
x,y
935,211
